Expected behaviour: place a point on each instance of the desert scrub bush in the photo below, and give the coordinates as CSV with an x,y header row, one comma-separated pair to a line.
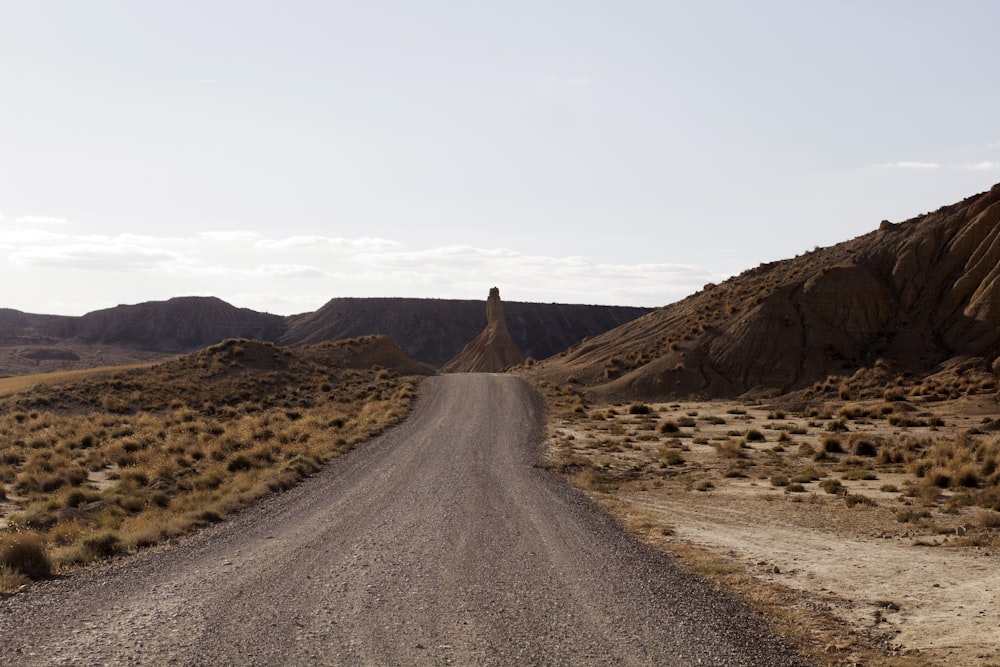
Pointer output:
x,y
24,553
753,435
966,461
856,499
989,519
672,457
810,474
102,545
908,515
592,479
894,394
668,426
833,487
862,445
779,479
730,449
859,474
832,445
837,426
904,421
639,409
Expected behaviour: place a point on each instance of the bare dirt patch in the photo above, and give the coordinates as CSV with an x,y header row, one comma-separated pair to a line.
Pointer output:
x,y
842,520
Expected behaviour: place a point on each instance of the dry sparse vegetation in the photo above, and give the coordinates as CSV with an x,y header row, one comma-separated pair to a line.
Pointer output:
x,y
113,461
902,468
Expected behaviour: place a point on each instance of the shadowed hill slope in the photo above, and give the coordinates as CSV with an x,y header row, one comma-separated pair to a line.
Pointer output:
x,y
905,298
175,325
435,330
25,328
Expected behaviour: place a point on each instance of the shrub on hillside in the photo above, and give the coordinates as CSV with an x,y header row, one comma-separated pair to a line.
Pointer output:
x,y
24,553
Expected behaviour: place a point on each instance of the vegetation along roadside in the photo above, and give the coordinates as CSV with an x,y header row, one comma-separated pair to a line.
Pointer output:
x,y
112,462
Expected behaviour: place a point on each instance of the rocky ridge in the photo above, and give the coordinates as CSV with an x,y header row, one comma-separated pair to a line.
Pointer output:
x,y
908,298
431,331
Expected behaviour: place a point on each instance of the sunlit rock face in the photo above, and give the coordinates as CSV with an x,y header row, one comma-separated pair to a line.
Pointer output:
x,y
493,350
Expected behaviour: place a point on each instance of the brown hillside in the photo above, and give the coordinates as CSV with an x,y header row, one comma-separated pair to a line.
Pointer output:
x,y
906,298
180,324
17,328
228,373
366,352
493,350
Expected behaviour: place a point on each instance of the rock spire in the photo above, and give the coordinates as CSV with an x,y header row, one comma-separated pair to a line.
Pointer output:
x,y
493,350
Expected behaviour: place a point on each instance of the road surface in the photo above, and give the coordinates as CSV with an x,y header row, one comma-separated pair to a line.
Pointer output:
x,y
439,543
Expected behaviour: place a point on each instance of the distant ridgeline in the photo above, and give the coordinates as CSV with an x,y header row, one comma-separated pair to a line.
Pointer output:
x,y
432,331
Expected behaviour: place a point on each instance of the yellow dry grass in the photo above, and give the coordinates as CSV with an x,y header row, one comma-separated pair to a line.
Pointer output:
x,y
21,383
111,460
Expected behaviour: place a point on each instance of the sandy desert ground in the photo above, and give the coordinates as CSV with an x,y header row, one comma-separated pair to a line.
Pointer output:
x,y
849,553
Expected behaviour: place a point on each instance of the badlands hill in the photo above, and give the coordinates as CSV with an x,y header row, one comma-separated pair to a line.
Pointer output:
x,y
909,299
431,331
435,330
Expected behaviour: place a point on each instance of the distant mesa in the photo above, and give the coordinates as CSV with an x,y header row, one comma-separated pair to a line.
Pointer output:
x,y
493,350
433,331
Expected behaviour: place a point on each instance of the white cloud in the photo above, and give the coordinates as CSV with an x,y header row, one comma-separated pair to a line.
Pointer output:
x,y
290,271
454,254
42,220
982,165
235,236
978,166
320,242
98,256
908,164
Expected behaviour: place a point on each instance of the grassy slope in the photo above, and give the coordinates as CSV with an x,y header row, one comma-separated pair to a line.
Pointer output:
x,y
103,462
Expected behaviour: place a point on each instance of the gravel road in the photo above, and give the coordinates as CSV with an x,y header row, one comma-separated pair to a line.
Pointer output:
x,y
439,543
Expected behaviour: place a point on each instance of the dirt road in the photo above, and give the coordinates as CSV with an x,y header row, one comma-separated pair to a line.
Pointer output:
x,y
439,543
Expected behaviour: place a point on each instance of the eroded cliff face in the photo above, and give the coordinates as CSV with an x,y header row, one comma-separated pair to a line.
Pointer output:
x,y
910,296
491,351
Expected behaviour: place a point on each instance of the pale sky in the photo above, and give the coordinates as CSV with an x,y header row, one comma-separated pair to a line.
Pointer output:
x,y
279,154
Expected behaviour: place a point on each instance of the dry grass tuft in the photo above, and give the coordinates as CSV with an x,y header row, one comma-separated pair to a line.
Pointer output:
x,y
24,554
